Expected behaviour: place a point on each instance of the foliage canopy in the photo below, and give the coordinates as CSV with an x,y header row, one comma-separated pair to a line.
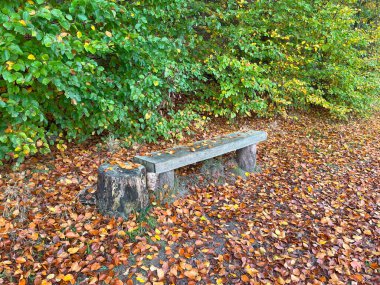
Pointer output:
x,y
151,68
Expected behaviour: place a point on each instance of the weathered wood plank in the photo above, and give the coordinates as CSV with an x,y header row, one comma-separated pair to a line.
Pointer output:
x,y
163,161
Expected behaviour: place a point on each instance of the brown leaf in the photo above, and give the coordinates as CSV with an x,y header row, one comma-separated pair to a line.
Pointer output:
x,y
192,274
160,274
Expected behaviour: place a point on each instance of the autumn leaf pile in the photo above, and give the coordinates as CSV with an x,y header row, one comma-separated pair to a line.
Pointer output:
x,y
311,216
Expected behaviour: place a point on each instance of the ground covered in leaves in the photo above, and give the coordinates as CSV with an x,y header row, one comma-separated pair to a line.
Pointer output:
x,y
311,216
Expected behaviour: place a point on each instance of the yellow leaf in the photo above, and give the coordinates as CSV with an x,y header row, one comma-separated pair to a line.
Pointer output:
x,y
251,271
31,57
34,236
140,279
52,209
93,27
68,277
322,242
10,65
79,34
148,116
73,250
108,34
155,83
22,22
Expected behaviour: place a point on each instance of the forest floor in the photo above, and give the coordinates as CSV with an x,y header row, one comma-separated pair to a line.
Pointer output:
x,y
310,216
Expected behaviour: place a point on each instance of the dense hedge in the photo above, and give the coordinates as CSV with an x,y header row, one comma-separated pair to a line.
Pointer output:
x,y
148,69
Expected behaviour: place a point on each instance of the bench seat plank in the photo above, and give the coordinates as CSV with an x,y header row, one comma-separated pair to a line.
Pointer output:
x,y
170,159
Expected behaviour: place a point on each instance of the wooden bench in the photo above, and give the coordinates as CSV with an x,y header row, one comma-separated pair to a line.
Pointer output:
x,y
160,165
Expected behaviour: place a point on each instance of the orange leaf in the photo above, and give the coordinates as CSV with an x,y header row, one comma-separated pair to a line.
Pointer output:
x,y
245,278
357,277
95,266
22,282
20,260
117,282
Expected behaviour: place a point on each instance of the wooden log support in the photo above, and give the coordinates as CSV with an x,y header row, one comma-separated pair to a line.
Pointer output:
x,y
246,158
121,191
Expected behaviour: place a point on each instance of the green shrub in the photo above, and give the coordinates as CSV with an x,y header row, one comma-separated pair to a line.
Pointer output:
x,y
147,69
266,56
82,67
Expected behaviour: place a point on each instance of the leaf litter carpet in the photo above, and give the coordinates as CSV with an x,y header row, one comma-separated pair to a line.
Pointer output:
x,y
311,216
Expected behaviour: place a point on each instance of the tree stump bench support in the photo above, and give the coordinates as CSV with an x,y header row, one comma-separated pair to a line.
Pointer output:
x,y
121,189
160,165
